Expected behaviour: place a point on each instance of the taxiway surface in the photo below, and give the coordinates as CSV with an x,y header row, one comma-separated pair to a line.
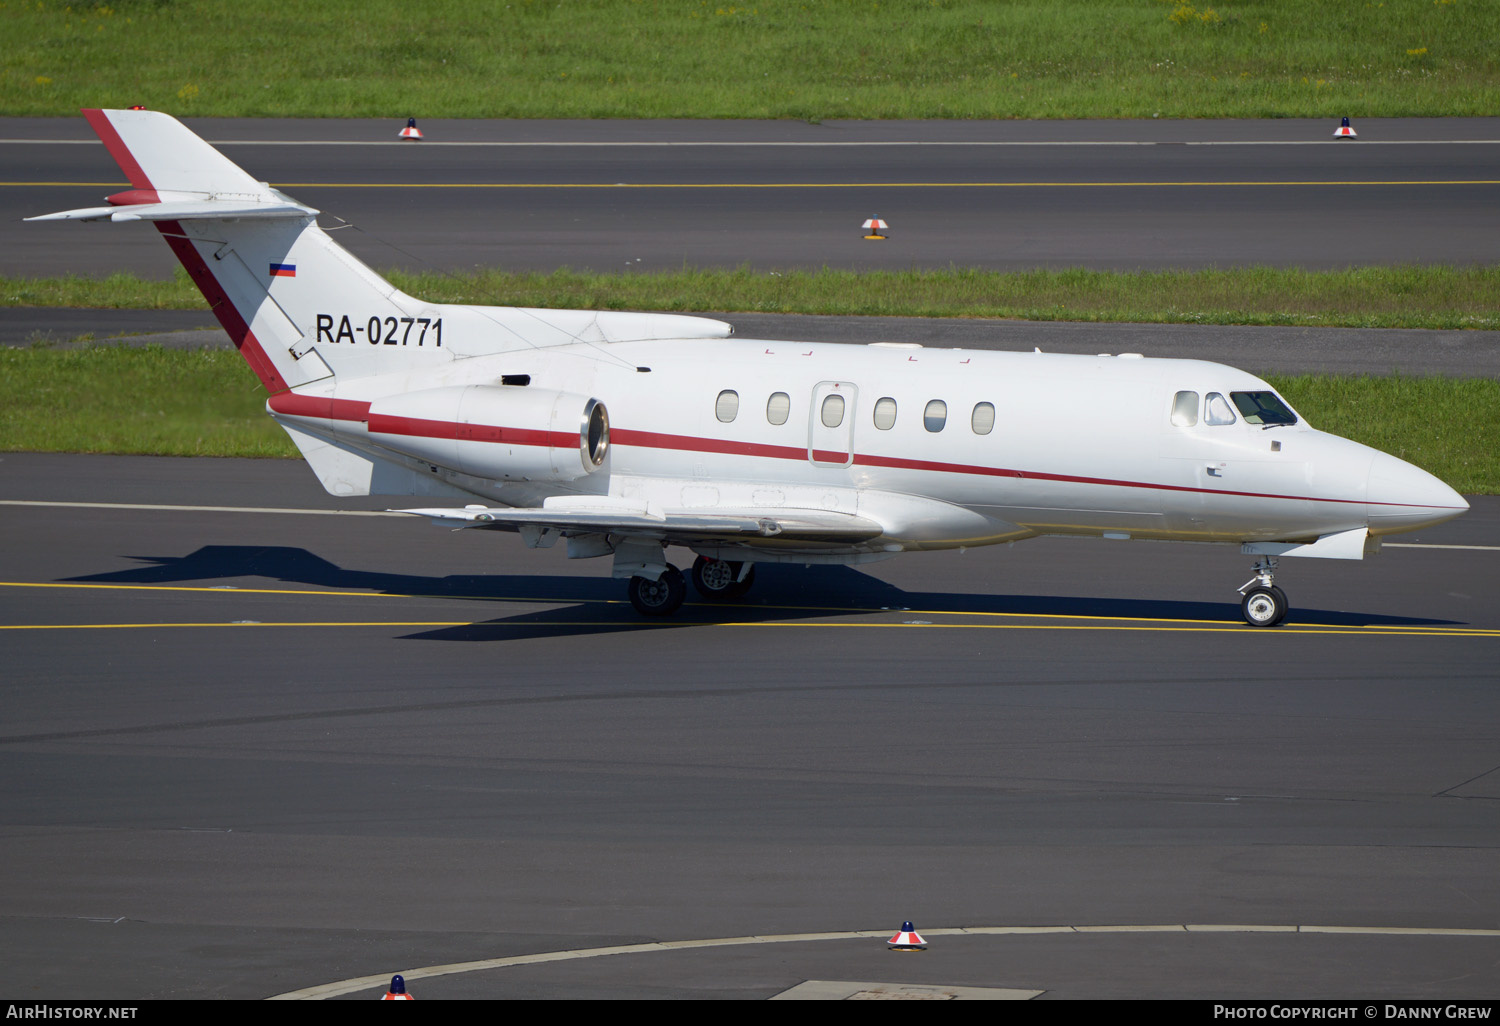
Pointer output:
x,y
248,753
1260,350
654,195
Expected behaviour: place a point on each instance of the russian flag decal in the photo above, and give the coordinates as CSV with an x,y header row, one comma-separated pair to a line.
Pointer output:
x,y
283,270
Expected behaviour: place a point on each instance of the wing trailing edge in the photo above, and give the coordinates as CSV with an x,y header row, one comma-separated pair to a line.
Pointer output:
x,y
749,525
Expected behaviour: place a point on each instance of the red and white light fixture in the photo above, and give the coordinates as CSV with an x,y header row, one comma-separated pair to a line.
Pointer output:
x,y
906,939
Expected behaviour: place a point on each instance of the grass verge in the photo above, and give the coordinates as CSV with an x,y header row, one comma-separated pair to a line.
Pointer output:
x,y
755,58
123,399
1365,297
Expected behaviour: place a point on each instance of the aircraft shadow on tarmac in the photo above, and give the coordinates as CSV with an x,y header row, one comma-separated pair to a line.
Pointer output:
x,y
596,605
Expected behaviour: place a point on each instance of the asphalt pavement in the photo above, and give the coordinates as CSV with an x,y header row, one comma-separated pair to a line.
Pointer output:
x,y
254,753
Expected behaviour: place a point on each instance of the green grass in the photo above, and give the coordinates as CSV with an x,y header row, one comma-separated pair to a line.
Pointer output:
x,y
1367,297
812,59
123,399
1450,427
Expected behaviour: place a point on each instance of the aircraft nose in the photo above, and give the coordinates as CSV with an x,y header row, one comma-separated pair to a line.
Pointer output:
x,y
1403,497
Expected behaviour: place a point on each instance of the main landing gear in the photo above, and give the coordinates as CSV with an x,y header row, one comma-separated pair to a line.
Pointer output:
x,y
717,580
660,597
1264,604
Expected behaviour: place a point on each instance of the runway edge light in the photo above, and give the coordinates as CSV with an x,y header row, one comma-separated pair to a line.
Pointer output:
x,y
411,131
906,939
873,228
397,991
1344,131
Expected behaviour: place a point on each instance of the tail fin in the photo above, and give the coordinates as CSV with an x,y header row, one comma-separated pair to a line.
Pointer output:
x,y
305,312
159,153
269,273
299,307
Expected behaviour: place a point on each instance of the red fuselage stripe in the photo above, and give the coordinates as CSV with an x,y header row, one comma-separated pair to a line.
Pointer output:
x,y
353,410
418,427
321,407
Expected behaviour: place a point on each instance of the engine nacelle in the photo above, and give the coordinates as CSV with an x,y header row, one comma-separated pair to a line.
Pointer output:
x,y
505,433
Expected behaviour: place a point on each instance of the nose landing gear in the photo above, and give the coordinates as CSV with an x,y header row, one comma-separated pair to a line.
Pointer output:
x,y
1263,604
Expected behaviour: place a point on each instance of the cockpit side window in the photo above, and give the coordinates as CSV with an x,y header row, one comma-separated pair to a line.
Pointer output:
x,y
1216,410
1265,408
1185,409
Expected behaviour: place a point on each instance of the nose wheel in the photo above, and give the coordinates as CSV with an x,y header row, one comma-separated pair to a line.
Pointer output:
x,y
1263,604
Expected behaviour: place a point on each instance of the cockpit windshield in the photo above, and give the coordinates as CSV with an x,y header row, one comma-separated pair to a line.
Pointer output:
x,y
1263,408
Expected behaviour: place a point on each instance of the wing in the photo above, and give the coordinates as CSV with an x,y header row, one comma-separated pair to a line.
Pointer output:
x,y
684,526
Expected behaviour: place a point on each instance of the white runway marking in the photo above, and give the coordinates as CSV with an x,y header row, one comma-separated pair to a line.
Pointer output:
x,y
774,144
205,509
1427,545
342,987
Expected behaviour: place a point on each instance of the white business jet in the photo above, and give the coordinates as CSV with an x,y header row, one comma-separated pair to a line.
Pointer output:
x,y
624,434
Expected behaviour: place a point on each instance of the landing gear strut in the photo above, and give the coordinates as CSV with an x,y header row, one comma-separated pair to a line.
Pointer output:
x,y
719,580
1264,604
661,597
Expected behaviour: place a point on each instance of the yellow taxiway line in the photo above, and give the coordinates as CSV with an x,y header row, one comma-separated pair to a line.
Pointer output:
x,y
1294,183
912,618
1221,627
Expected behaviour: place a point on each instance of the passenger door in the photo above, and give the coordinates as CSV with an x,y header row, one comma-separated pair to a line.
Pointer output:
x,y
830,431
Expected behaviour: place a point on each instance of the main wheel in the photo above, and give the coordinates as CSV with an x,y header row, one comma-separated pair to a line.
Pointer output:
x,y
1264,607
661,597
718,580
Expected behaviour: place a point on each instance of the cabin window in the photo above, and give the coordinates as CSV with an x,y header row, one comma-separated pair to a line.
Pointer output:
x,y
983,418
1185,409
1216,410
935,415
833,411
885,413
778,407
1264,408
728,406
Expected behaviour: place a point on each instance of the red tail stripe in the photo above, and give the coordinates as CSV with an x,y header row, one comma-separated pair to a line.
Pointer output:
x,y
218,301
99,122
239,332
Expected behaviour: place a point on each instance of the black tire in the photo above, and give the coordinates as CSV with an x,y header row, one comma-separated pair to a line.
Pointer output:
x,y
661,597
717,580
1264,607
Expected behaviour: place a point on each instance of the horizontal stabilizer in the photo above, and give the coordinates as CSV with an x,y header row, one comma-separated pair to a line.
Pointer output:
x,y
183,210
175,176
782,524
